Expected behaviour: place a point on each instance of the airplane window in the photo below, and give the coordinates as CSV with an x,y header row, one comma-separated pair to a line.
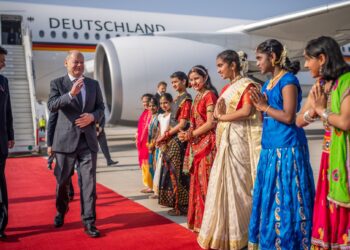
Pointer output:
x,y
41,33
53,34
108,36
97,36
86,35
75,35
64,34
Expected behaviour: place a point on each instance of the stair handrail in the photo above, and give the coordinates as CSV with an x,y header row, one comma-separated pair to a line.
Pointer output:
x,y
27,43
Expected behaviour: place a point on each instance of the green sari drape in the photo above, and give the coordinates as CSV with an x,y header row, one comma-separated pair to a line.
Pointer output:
x,y
339,170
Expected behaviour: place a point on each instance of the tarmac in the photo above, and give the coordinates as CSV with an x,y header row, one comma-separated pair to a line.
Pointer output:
x,y
125,177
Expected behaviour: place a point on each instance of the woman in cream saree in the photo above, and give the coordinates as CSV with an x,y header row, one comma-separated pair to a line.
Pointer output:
x,y
229,198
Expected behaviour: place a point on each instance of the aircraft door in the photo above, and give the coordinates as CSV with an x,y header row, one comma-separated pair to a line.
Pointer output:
x,y
11,30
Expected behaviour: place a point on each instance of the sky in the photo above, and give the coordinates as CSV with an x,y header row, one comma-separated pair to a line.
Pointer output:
x,y
245,9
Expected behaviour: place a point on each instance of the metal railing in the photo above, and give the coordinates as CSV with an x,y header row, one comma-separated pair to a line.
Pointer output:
x,y
27,44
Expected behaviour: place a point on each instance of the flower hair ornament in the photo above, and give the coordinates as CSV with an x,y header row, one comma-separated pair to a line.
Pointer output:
x,y
283,57
243,62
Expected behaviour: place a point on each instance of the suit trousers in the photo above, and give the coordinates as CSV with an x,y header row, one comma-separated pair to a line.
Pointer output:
x,y
64,169
3,194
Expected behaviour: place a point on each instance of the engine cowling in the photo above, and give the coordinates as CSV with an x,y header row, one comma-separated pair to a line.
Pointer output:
x,y
129,67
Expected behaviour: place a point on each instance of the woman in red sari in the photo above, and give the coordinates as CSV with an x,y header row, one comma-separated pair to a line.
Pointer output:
x,y
141,143
201,137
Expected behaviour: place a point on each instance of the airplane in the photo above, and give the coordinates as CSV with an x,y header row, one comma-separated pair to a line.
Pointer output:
x,y
129,52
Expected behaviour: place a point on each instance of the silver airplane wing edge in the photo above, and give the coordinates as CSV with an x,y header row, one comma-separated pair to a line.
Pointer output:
x,y
331,20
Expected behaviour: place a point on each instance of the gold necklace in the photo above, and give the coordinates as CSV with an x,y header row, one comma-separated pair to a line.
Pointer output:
x,y
235,79
273,81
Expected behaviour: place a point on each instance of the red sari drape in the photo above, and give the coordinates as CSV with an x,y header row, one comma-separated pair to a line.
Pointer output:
x,y
203,150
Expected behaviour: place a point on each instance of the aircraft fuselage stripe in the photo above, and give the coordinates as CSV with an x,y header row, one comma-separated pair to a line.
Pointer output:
x,y
47,46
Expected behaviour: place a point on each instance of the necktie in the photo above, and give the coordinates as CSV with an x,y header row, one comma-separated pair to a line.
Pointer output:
x,y
79,96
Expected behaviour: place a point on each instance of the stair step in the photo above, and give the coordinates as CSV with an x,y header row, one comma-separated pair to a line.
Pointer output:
x,y
27,137
20,100
28,131
18,109
18,87
15,92
25,120
17,126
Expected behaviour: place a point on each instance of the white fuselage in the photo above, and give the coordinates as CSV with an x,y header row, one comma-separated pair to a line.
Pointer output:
x,y
58,29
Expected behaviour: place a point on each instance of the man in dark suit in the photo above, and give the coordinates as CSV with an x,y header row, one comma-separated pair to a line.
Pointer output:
x,y
102,140
78,101
6,142
161,89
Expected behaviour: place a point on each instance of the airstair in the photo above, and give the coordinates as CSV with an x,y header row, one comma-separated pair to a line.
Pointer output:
x,y
20,78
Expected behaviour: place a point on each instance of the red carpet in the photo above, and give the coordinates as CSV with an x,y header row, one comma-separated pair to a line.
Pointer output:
x,y
123,223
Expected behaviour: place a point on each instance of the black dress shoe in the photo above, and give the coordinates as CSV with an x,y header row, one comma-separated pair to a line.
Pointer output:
x,y
111,162
91,230
59,220
3,235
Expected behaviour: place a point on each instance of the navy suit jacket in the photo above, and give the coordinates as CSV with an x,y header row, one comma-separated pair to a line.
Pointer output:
x,y
6,120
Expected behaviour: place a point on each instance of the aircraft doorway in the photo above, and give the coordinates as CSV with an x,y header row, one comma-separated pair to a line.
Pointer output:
x,y
11,30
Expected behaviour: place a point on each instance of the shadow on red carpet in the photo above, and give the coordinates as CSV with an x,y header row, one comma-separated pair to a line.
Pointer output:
x,y
123,223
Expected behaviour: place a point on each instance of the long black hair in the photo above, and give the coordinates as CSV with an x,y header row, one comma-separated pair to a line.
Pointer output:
x,y
181,76
154,101
230,56
202,71
167,97
148,95
335,64
273,46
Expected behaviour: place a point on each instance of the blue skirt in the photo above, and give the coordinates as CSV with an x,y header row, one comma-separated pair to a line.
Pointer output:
x,y
282,200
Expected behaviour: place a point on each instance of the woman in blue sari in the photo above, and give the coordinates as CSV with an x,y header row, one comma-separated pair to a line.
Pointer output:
x,y
284,188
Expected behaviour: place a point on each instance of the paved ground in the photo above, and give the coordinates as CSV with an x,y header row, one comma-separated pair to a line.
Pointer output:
x,y
125,178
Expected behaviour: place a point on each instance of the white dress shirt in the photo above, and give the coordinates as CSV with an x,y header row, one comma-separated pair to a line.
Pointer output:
x,y
83,90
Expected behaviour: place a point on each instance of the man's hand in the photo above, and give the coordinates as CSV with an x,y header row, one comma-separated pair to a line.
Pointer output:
x,y
11,144
84,120
49,151
77,86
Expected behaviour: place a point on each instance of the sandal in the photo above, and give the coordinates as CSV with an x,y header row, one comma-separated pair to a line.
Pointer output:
x,y
153,196
147,191
174,212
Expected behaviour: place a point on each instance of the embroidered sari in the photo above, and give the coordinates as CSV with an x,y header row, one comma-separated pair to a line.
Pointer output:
x,y
142,136
229,199
331,219
153,128
163,126
174,182
203,151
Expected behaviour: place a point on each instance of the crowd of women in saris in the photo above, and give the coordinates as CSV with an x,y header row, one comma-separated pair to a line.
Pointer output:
x,y
237,163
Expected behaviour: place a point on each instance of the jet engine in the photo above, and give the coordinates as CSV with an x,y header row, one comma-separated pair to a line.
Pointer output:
x,y
128,67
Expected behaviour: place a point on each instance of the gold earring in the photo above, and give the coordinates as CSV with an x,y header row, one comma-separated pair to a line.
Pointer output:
x,y
273,63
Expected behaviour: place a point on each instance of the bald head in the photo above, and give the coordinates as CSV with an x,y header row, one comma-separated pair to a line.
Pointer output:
x,y
74,63
74,53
